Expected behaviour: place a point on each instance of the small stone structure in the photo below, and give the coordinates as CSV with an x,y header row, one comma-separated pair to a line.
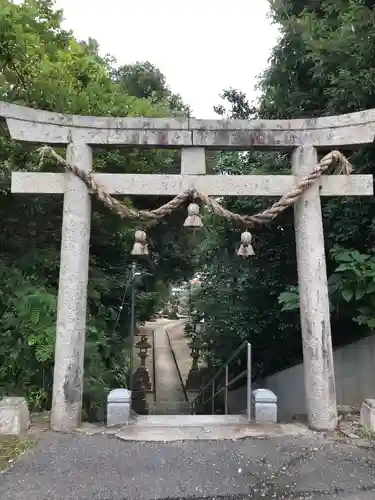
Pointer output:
x,y
140,403
194,380
14,416
368,414
304,139
118,407
142,371
264,403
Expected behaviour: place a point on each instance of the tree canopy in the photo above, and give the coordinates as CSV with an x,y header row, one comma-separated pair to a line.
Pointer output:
x,y
322,65
44,66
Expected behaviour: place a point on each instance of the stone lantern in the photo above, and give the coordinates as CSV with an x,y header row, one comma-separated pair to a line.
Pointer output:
x,y
189,329
144,337
142,372
194,379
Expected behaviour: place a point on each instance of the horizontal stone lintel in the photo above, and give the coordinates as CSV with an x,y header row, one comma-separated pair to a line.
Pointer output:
x,y
27,124
213,185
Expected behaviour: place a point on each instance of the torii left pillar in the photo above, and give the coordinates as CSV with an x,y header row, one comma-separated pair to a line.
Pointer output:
x,y
72,295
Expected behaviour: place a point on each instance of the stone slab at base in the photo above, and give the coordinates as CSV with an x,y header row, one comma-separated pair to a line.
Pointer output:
x,y
143,431
14,416
368,414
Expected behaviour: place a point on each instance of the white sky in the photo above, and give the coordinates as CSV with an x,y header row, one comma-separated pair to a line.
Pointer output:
x,y
201,46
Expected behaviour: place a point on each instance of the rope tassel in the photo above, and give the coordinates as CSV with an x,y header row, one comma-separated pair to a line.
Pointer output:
x,y
246,248
140,244
193,219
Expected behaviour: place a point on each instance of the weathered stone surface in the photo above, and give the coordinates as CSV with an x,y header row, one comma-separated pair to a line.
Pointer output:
x,y
193,161
368,414
348,129
283,139
264,404
72,296
41,126
27,124
14,416
212,185
314,302
118,407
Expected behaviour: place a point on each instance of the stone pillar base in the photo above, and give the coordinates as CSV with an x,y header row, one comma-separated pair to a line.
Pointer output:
x,y
118,407
368,414
194,380
139,394
264,406
142,376
14,416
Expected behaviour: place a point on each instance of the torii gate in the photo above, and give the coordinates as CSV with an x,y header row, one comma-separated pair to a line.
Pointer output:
x,y
301,137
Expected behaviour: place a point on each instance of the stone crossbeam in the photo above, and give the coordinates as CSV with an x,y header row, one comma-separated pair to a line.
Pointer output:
x,y
212,185
33,125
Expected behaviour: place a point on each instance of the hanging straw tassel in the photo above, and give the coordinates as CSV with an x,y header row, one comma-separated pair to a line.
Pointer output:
x,y
140,244
246,249
193,219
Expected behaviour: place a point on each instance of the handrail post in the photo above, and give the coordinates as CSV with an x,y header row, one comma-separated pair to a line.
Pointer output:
x,y
249,381
213,397
226,390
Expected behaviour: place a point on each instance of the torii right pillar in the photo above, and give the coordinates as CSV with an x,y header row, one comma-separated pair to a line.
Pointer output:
x,y
314,301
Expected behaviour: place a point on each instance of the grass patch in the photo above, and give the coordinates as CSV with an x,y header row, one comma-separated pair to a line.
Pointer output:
x,y
366,433
11,448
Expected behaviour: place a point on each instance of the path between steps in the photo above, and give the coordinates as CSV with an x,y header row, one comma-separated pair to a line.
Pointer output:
x,y
170,396
78,467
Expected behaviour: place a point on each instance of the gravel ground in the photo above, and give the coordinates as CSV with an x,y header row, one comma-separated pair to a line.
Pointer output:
x,y
76,467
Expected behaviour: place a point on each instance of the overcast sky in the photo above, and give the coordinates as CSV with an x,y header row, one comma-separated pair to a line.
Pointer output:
x,y
201,46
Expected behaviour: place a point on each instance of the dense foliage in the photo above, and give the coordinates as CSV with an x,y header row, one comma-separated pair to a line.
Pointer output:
x,y
44,66
323,64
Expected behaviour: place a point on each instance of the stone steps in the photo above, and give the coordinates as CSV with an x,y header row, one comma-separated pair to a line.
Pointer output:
x,y
169,407
188,420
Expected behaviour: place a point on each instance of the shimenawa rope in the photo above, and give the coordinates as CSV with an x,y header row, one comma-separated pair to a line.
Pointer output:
x,y
332,159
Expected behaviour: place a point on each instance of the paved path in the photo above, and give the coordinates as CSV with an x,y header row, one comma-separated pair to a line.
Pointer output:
x,y
170,397
76,467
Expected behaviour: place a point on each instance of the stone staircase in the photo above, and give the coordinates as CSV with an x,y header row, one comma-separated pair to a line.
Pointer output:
x,y
168,407
188,420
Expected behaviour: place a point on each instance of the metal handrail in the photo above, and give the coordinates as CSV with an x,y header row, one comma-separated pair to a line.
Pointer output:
x,y
228,383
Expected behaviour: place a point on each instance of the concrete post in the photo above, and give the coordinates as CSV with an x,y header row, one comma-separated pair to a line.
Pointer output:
x,y
314,303
264,404
72,296
118,407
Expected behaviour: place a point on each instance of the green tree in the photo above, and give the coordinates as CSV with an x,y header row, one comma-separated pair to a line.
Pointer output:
x,y
322,65
43,66
144,80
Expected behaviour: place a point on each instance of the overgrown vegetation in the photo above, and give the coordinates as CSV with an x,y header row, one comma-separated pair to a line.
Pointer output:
x,y
11,448
322,65
44,66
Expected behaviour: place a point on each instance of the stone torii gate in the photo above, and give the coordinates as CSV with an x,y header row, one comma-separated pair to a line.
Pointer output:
x,y
303,138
